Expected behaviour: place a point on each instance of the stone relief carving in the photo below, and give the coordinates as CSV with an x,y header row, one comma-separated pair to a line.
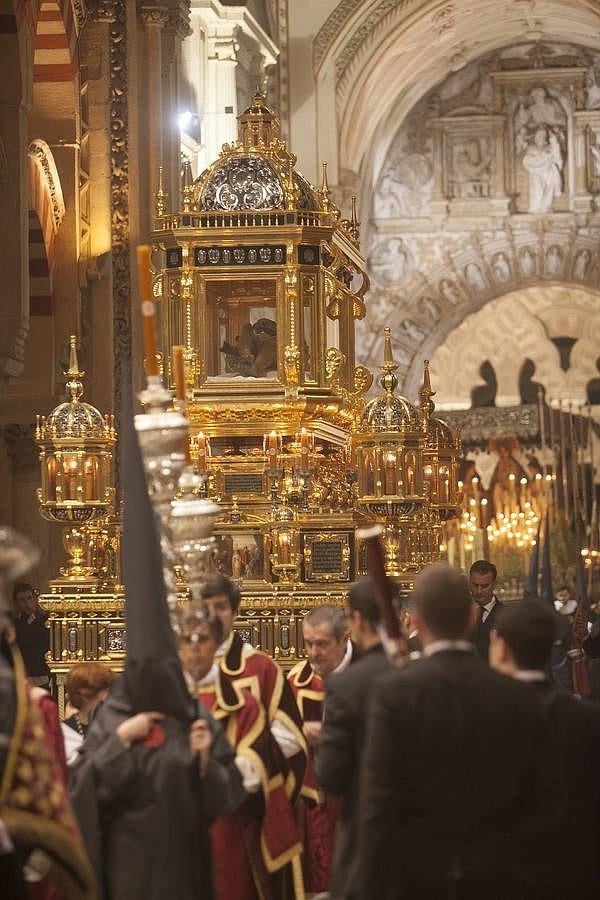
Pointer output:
x,y
471,170
42,154
592,89
431,307
501,268
471,90
540,142
581,264
443,22
450,292
527,262
474,278
404,190
554,260
412,331
389,261
494,179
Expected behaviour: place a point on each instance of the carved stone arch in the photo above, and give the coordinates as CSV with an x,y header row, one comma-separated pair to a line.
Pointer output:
x,y
429,303
45,194
14,310
397,39
518,326
506,333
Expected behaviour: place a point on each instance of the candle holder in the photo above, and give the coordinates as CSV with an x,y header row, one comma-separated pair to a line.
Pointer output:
x,y
75,443
162,433
192,520
285,556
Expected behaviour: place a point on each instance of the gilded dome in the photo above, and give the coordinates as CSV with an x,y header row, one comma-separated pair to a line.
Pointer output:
x,y
440,435
257,173
390,413
76,419
242,183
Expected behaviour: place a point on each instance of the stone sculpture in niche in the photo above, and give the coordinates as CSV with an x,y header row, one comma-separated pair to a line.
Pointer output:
x,y
540,139
554,260
412,331
449,291
592,90
527,262
474,277
501,267
595,155
472,169
431,307
389,261
543,161
582,263
404,189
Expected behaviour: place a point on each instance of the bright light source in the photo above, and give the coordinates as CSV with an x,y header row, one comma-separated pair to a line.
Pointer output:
x,y
184,120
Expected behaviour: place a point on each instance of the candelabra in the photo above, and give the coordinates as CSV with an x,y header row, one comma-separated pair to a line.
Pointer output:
x,y
191,523
75,443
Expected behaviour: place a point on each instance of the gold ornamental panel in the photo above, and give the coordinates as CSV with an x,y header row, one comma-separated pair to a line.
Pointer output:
x,y
327,557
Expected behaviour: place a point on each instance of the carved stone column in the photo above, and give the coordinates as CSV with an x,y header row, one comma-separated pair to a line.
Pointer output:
x,y
154,18
175,31
222,105
14,309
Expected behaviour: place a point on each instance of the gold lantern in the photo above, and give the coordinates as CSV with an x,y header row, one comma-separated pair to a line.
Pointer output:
x,y
396,464
76,444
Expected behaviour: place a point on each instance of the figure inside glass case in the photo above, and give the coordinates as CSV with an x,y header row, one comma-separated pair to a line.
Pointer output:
x,y
254,353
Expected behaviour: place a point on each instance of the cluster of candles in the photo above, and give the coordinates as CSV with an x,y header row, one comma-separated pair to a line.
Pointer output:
x,y
304,442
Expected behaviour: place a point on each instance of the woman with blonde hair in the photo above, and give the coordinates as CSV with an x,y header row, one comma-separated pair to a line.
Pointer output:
x,y
86,686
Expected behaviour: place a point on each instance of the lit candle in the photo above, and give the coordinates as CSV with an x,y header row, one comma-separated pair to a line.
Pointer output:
x,y
272,450
390,473
51,478
283,543
200,442
445,486
145,282
304,447
178,372
70,483
89,471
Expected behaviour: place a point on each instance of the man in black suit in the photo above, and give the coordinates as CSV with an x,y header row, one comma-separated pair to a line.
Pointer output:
x,y
450,749
482,581
340,749
559,838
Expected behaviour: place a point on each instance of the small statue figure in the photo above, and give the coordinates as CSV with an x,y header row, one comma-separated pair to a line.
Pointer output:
x,y
255,352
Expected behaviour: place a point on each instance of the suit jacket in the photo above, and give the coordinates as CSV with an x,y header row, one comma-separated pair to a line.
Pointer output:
x,y
558,839
339,755
450,751
481,635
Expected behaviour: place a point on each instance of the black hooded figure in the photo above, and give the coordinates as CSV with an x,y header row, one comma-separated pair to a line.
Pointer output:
x,y
145,806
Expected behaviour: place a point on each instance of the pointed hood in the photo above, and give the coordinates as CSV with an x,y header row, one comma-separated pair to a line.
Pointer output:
x,y
581,594
153,679
530,589
546,588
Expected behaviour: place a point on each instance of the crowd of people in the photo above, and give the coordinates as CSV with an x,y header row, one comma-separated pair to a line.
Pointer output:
x,y
466,772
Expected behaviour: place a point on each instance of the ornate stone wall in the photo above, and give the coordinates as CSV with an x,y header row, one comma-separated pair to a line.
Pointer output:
x,y
491,185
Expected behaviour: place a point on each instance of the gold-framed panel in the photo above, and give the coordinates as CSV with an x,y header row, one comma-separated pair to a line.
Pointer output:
x,y
315,564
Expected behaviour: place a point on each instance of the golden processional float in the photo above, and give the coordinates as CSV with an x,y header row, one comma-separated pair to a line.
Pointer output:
x,y
257,283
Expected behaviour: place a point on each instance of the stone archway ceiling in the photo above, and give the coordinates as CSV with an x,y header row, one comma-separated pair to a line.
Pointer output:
x,y
490,185
388,53
518,326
